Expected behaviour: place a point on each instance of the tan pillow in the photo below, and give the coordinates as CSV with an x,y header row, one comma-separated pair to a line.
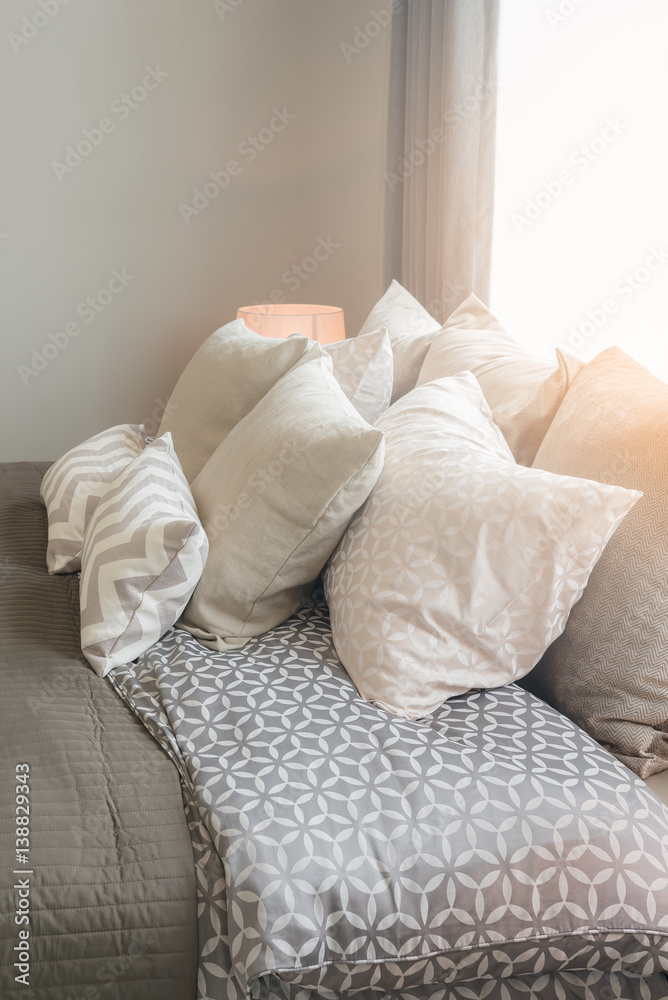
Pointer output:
x,y
523,390
410,328
609,670
143,552
462,566
228,375
274,498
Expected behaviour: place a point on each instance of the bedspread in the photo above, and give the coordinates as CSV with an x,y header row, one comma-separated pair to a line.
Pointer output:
x,y
104,864
344,851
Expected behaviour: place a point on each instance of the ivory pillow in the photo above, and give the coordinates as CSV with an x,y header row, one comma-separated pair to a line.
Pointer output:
x,y
364,368
522,389
410,328
462,566
227,376
143,553
72,487
274,498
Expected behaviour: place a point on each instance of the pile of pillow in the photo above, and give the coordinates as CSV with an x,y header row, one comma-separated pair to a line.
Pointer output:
x,y
440,547
459,490
231,513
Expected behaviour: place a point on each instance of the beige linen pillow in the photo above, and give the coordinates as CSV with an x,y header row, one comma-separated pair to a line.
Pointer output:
x,y
410,328
462,566
522,389
228,375
364,368
72,487
143,553
274,498
609,670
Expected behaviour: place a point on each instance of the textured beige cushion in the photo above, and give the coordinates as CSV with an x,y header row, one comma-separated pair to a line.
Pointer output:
x,y
228,375
523,390
462,566
274,498
609,670
410,328
364,368
72,487
143,552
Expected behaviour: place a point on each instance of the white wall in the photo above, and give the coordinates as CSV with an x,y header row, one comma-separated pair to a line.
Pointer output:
x,y
63,232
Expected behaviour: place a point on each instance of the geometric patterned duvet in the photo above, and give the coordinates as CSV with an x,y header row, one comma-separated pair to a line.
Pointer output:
x,y
492,851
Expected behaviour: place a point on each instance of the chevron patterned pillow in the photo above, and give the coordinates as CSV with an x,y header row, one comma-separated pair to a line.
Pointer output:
x,y
609,670
144,551
72,487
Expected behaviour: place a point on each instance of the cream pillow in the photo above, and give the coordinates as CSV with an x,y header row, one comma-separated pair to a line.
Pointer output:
x,y
143,553
364,368
523,390
72,487
462,567
410,328
274,498
228,375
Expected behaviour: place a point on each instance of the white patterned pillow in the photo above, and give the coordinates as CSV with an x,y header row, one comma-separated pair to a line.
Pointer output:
x,y
364,368
461,567
411,330
72,487
143,553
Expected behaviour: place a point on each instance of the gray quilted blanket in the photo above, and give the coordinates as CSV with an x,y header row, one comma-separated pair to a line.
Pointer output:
x,y
495,851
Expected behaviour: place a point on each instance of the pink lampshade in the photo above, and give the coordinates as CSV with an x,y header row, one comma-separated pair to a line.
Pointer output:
x,y
322,323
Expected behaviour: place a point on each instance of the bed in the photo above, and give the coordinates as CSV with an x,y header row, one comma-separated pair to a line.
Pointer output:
x,y
111,890
242,824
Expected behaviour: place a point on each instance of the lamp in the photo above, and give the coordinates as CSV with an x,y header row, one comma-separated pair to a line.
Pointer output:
x,y
322,323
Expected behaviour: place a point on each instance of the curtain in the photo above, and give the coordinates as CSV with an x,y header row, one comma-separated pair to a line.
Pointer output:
x,y
439,180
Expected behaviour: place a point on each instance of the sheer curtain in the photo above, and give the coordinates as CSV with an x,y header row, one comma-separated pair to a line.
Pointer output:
x,y
440,150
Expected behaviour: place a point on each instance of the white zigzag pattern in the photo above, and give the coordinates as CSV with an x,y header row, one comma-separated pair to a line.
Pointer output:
x,y
150,509
74,485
